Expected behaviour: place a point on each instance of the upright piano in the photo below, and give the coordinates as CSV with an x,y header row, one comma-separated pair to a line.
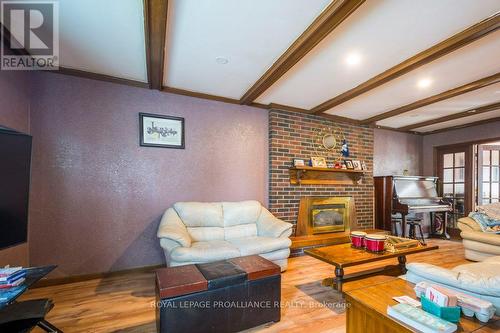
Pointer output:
x,y
403,195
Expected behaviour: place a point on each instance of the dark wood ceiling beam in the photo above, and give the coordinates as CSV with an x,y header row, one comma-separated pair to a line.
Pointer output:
x,y
475,123
436,98
155,12
99,77
322,26
451,44
274,106
467,113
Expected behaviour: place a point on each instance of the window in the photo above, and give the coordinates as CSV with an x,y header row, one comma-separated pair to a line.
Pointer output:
x,y
455,169
488,174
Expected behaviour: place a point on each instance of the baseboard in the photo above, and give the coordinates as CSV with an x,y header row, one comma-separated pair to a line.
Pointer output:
x,y
85,277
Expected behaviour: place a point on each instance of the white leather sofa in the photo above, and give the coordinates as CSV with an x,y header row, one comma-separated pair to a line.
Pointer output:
x,y
480,279
478,245
199,232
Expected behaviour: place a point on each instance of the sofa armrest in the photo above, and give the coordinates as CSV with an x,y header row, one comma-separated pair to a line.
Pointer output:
x,y
468,224
172,228
270,226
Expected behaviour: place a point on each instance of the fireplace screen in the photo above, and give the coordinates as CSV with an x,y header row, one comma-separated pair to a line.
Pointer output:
x,y
329,218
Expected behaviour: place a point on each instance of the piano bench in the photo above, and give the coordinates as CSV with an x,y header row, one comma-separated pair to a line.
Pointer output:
x,y
413,223
417,223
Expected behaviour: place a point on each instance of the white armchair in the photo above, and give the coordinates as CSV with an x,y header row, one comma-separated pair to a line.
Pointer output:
x,y
198,232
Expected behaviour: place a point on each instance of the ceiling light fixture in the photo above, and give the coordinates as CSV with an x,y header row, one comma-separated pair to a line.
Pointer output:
x,y
221,60
353,59
424,83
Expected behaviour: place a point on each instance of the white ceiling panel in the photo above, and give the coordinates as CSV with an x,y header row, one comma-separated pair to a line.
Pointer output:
x,y
461,121
472,62
382,33
105,37
460,103
249,34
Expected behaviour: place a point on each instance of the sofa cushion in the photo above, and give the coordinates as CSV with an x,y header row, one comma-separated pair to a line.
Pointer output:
x,y
205,234
482,278
436,273
200,214
468,224
238,213
240,231
480,247
480,269
482,237
258,245
276,255
205,252
495,259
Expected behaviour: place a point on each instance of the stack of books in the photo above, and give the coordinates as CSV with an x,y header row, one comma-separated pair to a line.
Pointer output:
x,y
11,277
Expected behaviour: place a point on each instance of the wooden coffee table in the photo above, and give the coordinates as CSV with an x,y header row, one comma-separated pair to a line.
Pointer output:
x,y
367,310
344,255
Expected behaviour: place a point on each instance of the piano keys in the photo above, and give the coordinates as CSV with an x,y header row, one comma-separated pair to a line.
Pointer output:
x,y
405,195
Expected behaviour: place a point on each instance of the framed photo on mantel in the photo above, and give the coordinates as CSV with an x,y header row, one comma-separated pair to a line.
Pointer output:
x,y
161,131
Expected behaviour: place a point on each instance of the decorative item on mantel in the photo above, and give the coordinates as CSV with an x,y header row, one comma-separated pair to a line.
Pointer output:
x,y
318,162
321,172
345,149
297,162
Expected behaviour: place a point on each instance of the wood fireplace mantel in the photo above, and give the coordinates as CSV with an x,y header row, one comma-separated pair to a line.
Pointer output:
x,y
305,175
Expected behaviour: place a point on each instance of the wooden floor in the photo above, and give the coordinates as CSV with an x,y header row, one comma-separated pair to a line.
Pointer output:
x,y
126,303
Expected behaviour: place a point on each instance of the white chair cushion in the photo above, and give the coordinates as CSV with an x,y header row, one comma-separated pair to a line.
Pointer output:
x,y
205,252
200,214
238,213
258,245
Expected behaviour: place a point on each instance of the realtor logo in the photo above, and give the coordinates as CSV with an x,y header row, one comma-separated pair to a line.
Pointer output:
x,y
30,35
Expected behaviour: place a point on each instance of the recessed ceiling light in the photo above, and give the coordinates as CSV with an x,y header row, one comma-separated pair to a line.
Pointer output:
x,y
353,59
424,83
221,60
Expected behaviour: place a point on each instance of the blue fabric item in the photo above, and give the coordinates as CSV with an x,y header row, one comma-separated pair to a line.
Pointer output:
x,y
486,223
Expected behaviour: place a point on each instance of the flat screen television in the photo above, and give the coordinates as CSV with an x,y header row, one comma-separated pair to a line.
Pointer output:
x,y
15,167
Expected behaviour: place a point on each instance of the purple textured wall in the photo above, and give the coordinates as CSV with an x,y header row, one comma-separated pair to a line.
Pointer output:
x,y
97,196
395,152
473,133
14,113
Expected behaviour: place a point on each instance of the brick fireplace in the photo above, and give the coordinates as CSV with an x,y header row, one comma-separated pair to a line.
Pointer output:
x,y
292,135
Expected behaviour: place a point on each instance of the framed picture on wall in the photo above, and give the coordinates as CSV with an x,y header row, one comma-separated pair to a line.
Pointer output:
x,y
161,131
